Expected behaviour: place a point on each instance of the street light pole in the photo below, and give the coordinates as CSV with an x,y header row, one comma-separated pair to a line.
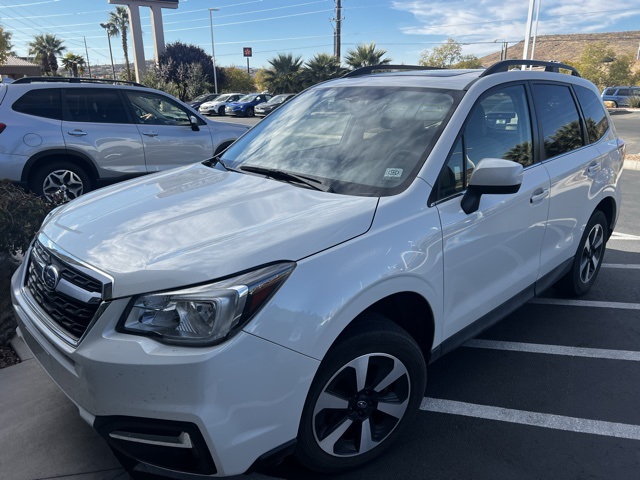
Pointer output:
x,y
213,51
107,27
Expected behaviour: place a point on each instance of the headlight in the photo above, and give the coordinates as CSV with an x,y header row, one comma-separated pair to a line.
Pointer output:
x,y
207,314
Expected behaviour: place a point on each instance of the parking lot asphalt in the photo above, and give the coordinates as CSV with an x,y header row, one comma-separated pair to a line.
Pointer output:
x,y
550,392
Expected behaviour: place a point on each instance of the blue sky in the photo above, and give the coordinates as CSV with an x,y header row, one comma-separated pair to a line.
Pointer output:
x,y
304,27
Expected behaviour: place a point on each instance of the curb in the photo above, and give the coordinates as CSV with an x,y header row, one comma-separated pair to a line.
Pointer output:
x,y
21,349
632,164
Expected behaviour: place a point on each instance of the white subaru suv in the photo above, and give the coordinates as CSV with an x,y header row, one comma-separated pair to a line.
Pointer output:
x,y
287,296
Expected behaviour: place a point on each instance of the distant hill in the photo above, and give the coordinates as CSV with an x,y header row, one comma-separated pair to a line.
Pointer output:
x,y
570,47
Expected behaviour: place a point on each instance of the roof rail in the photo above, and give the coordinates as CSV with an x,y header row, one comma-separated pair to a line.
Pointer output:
x,y
504,65
74,80
374,68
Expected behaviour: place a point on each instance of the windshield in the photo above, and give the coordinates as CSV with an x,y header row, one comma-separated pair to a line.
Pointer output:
x,y
247,98
368,141
223,98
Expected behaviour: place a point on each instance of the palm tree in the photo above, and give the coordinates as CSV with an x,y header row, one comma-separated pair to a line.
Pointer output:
x,y
120,21
73,63
5,45
320,68
366,55
45,48
284,74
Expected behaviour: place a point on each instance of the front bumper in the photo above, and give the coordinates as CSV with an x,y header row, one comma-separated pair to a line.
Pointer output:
x,y
243,398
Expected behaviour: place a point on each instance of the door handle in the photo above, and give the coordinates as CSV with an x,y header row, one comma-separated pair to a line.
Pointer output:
x,y
539,195
77,133
150,134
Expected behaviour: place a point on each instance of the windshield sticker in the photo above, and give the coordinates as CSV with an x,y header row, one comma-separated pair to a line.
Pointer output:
x,y
392,173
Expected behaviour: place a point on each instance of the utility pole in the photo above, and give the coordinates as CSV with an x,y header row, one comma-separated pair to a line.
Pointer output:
x,y
338,30
86,51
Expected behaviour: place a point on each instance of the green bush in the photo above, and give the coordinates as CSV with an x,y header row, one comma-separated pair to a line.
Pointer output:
x,y
21,215
634,102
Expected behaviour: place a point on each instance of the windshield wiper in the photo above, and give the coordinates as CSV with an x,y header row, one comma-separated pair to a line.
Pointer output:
x,y
287,176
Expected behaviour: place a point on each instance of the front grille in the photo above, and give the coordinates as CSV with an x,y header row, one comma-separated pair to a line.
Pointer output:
x,y
73,308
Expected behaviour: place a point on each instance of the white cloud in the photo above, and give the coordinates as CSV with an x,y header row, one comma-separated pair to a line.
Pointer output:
x,y
489,20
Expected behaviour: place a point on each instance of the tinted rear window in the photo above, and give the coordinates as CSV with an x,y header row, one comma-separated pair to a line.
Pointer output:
x,y
594,113
559,119
40,103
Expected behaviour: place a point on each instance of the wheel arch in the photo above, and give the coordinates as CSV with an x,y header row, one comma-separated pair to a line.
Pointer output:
x,y
608,207
410,311
77,158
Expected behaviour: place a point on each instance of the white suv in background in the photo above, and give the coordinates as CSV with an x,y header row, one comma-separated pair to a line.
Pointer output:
x,y
72,135
287,296
218,105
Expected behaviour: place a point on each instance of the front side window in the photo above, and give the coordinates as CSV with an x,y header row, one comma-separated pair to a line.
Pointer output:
x,y
498,126
594,113
94,105
153,109
40,103
559,119
366,141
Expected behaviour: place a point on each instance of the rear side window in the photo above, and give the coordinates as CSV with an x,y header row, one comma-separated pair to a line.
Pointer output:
x,y
594,114
559,119
95,106
624,92
40,103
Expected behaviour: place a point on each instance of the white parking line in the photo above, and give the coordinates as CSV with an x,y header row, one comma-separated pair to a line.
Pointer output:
x,y
623,236
585,303
620,265
554,350
522,417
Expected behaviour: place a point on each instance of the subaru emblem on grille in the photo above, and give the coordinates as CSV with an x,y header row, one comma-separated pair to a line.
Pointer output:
x,y
50,276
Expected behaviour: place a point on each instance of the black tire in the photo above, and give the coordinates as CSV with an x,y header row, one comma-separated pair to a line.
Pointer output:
x,y
588,258
344,424
250,112
221,111
59,181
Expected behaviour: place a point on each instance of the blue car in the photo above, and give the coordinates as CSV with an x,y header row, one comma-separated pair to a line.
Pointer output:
x,y
244,107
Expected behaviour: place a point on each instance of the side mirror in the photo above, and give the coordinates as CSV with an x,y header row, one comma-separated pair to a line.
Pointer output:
x,y
493,176
194,123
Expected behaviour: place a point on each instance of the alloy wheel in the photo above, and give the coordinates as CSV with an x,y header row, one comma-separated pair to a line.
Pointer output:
x,y
592,253
62,185
361,405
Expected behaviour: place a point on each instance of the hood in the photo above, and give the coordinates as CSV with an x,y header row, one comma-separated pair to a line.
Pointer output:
x,y
196,224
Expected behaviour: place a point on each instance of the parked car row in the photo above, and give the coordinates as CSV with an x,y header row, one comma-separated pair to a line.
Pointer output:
x,y
260,104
